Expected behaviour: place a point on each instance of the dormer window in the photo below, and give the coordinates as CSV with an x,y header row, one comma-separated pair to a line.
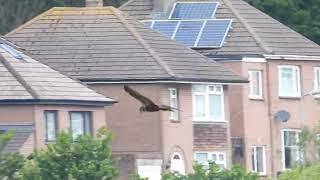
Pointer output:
x,y
11,51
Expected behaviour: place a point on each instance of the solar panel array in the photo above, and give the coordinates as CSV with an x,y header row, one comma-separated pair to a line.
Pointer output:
x,y
192,24
208,33
193,10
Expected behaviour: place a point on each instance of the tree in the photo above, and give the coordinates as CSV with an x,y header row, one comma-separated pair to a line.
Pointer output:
x,y
300,15
83,158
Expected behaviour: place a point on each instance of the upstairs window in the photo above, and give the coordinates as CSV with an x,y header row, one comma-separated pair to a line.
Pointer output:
x,y
80,123
173,92
208,103
255,78
204,158
51,125
289,81
258,157
316,79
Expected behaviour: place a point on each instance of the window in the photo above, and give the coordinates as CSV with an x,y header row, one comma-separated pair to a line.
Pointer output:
x,y
80,123
258,157
255,78
316,79
205,157
208,103
289,81
174,103
51,125
290,148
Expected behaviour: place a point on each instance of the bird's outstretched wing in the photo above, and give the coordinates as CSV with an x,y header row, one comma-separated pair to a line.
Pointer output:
x,y
144,100
168,108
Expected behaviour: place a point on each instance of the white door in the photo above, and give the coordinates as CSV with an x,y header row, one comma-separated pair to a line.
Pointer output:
x,y
177,163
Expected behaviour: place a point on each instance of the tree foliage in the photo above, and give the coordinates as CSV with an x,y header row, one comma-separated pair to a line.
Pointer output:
x,y
300,15
85,158
212,173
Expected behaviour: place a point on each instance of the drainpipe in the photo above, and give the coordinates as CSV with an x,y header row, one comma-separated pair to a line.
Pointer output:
x,y
94,3
270,117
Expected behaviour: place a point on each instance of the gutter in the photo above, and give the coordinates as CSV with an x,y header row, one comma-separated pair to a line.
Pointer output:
x,y
291,57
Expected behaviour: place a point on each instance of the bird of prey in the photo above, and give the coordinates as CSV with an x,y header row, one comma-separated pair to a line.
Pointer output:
x,y
148,105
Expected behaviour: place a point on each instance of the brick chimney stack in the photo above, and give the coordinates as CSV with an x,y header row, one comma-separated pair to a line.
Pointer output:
x,y
94,3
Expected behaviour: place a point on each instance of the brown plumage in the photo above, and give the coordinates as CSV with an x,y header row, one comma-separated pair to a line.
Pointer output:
x,y
148,105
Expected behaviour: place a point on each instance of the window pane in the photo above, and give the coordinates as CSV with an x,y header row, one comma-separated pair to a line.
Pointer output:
x,y
202,157
221,157
199,88
290,138
77,124
255,83
253,159
50,120
289,81
214,157
215,107
200,106
317,79
87,123
259,156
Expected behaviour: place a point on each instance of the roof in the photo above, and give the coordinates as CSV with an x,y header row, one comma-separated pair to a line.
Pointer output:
x,y
253,32
102,44
27,80
21,133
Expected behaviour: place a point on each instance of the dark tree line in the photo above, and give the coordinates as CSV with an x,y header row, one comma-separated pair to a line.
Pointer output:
x,y
301,15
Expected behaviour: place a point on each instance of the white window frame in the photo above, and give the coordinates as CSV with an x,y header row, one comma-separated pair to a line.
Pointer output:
x,y
209,156
260,93
254,169
296,80
297,131
316,81
55,114
174,115
206,106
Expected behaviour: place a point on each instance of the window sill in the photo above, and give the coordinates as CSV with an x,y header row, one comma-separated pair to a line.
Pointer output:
x,y
174,121
290,97
208,122
50,142
256,98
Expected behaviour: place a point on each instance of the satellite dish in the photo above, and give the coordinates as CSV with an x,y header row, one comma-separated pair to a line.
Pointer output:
x,y
281,116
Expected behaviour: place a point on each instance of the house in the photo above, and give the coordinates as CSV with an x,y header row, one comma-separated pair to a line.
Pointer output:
x,y
105,49
36,102
282,66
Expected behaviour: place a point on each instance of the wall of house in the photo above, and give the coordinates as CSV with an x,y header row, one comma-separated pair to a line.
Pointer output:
x,y
98,119
308,107
178,135
258,125
133,131
16,114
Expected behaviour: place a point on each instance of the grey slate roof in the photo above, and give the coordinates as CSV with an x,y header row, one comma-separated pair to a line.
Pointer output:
x,y
20,135
101,44
27,79
253,32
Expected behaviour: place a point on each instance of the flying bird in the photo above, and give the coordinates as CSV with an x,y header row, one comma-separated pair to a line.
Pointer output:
x,y
147,104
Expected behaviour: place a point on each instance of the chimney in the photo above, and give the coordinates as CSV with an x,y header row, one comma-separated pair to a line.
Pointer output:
x,y
162,5
94,3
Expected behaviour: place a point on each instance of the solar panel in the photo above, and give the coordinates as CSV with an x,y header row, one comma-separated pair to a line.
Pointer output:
x,y
165,27
194,33
214,33
11,51
188,32
194,10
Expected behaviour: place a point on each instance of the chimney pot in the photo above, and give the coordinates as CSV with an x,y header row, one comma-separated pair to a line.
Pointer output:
x,y
94,3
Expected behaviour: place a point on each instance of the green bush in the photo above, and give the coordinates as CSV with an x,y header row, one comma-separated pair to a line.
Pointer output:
x,y
84,158
212,173
306,172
